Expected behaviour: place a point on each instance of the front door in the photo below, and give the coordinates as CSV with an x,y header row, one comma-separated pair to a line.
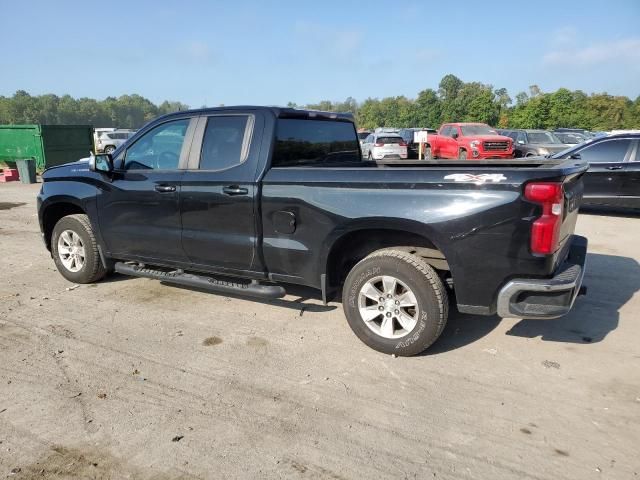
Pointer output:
x,y
218,199
603,181
450,147
139,210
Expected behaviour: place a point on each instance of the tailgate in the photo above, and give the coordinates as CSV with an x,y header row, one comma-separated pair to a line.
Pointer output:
x,y
573,190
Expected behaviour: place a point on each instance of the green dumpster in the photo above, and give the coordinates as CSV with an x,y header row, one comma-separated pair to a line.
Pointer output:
x,y
27,170
48,145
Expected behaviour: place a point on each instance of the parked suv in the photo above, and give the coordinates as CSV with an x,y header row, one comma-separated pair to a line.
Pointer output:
x,y
379,146
531,143
109,141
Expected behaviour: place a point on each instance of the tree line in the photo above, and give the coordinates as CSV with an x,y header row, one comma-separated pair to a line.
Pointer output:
x,y
453,101
126,111
458,101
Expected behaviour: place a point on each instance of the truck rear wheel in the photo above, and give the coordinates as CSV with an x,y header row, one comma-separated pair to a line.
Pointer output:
x,y
395,302
75,250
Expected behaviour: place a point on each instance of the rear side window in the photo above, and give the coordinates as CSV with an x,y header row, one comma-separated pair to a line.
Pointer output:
x,y
389,140
224,143
314,142
612,151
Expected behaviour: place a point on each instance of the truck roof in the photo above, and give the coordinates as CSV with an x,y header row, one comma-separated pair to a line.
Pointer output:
x,y
280,112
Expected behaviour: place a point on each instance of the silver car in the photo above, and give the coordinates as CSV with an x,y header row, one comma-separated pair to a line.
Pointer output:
x,y
378,146
109,141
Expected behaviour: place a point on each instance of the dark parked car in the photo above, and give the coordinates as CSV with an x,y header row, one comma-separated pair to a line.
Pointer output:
x,y
613,178
570,138
362,135
530,143
412,147
245,200
581,131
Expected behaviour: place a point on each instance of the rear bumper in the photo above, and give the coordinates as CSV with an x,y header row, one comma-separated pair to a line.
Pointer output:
x,y
545,298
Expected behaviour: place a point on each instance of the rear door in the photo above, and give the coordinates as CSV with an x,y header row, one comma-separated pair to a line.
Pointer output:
x,y
219,192
630,192
603,181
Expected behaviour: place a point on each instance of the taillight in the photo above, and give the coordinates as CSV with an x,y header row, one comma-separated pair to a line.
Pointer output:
x,y
379,144
402,144
545,231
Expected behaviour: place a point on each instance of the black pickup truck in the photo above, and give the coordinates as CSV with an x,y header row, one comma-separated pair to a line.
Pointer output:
x,y
245,200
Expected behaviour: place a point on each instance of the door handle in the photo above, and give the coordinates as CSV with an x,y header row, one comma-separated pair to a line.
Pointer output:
x,y
235,190
617,167
165,188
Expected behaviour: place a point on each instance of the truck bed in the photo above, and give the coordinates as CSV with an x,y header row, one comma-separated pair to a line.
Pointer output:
x,y
531,162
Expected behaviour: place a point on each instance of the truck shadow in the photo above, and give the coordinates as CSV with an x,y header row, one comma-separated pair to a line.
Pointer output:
x,y
462,329
610,211
611,282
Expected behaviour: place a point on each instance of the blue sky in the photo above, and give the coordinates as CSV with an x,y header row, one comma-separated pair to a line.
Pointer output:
x,y
272,52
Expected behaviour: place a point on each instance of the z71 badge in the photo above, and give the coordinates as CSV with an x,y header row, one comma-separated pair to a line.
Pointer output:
x,y
477,179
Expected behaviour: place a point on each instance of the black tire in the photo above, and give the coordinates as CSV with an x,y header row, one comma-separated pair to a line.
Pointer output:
x,y
462,155
109,149
421,278
92,269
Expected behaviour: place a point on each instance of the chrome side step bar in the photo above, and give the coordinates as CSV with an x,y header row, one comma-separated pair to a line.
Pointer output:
x,y
251,288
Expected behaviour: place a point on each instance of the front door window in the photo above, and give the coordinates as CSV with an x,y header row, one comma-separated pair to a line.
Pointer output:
x,y
159,148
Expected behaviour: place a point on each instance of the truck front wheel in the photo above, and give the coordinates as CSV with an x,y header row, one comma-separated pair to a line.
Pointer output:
x,y
75,250
395,302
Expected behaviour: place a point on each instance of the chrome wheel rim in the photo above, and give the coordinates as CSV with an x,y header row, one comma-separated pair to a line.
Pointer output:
x,y
388,307
71,251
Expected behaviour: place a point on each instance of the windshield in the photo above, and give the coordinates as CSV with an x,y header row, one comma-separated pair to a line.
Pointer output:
x,y
362,135
542,137
469,130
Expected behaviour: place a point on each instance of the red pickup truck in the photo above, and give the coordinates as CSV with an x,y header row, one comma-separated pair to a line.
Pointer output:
x,y
476,141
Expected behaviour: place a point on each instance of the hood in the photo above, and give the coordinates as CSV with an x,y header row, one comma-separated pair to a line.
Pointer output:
x,y
552,147
79,167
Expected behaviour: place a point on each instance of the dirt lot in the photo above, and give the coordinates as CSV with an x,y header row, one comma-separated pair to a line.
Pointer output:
x,y
134,379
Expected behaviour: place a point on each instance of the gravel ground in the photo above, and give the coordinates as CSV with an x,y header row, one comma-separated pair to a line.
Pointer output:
x,y
131,378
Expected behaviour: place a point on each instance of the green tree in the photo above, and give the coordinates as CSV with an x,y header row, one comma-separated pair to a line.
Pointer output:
x,y
428,109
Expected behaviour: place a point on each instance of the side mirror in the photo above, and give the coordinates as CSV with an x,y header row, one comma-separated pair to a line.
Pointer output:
x,y
575,156
454,135
103,162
